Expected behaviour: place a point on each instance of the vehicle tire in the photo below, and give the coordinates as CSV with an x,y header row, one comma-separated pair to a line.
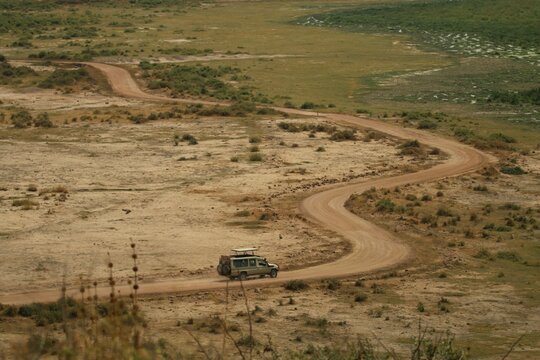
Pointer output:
x,y
243,276
220,269
226,268
273,273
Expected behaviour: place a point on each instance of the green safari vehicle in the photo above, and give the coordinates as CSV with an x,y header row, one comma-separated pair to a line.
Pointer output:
x,y
243,263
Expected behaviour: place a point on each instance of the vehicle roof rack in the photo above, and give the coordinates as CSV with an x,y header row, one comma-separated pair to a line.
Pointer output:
x,y
245,251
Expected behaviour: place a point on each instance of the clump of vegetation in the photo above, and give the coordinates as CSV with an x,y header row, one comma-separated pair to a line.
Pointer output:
x,y
190,139
333,284
61,77
302,127
21,119
10,73
512,170
483,254
385,205
42,120
360,297
25,204
255,157
343,135
199,80
531,96
296,285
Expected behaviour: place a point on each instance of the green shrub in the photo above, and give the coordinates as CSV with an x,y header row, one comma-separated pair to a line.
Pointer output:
x,y
21,119
385,205
255,157
512,170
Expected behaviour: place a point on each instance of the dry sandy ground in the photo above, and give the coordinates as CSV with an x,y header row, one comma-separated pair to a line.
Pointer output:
x,y
181,213
52,100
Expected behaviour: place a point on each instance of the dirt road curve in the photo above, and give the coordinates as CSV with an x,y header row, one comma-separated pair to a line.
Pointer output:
x,y
373,248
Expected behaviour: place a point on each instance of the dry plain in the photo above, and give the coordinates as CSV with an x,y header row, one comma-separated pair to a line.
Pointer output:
x,y
110,172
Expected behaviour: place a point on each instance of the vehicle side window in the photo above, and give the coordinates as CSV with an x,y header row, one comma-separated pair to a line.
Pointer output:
x,y
252,263
237,263
244,262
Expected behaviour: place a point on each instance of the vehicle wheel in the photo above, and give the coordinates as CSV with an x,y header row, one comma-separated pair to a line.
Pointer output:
x,y
243,276
226,269
220,269
273,273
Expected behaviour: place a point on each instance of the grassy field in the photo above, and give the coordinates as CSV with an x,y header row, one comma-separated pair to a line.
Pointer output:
x,y
501,22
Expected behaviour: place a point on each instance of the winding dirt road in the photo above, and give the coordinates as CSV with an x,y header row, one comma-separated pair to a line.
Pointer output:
x,y
373,248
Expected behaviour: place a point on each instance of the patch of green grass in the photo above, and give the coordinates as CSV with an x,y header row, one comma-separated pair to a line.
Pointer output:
x,y
515,22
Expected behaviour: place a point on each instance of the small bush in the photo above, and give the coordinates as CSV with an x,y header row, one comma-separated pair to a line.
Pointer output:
x,y
320,149
333,284
42,120
254,140
360,297
420,307
385,205
343,135
512,170
443,212
254,148
410,197
255,157
21,119
483,254
296,285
